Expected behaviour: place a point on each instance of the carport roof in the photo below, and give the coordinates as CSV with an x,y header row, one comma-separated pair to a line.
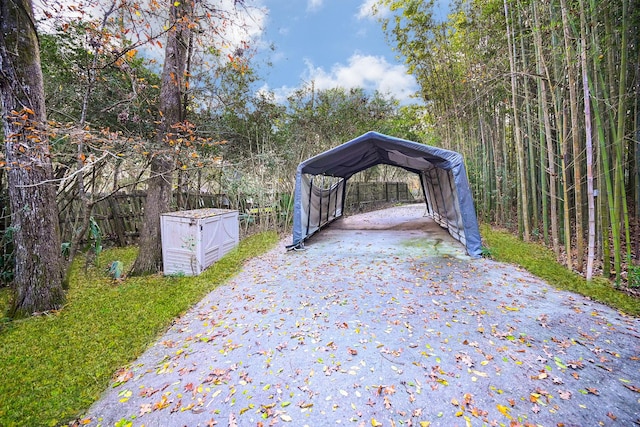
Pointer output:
x,y
374,148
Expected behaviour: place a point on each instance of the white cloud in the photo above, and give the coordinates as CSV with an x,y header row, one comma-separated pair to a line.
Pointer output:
x,y
368,72
313,5
370,9
279,95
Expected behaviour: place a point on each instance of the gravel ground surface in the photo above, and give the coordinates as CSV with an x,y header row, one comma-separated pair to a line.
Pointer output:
x,y
384,321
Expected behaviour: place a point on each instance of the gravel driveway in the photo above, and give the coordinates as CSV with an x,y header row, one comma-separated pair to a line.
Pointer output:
x,y
384,321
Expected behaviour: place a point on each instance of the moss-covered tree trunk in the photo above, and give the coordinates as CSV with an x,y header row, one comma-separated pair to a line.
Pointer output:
x,y
160,183
38,271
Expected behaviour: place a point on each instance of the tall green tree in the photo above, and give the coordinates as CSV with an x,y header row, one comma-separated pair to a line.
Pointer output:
x,y
476,74
38,278
160,184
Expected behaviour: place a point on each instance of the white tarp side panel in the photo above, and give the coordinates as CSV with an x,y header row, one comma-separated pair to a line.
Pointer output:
x,y
448,203
306,201
442,201
300,206
337,199
441,209
468,211
430,195
456,205
449,194
427,189
316,206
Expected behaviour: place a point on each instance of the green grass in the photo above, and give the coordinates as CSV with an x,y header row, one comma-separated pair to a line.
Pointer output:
x,y
540,261
55,366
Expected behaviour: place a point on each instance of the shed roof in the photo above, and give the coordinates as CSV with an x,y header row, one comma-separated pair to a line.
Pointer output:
x,y
374,148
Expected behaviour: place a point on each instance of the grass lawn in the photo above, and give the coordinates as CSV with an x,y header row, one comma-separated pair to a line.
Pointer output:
x,y
55,366
540,261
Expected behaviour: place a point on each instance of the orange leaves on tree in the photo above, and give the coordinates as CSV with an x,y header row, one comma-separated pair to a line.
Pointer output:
x,y
131,54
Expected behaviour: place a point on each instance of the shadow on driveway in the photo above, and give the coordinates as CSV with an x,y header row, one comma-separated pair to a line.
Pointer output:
x,y
384,321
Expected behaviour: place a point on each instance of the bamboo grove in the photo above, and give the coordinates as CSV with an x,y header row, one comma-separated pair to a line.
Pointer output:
x,y
541,96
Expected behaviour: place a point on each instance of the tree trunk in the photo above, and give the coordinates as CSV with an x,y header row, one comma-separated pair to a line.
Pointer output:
x,y
565,188
533,189
522,176
575,137
543,71
160,183
39,272
621,195
589,144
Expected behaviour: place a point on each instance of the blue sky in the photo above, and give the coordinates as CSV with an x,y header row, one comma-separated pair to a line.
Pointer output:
x,y
330,43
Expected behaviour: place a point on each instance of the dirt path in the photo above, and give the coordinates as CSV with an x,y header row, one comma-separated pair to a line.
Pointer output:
x,y
383,321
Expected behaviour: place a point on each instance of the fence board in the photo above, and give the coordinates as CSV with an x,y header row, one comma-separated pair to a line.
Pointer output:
x,y
120,215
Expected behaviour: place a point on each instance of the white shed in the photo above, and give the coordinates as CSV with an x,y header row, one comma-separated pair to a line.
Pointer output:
x,y
193,240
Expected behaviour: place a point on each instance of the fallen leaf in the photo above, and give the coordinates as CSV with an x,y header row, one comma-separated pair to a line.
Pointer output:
x,y
387,402
632,388
176,407
145,408
375,423
504,411
163,403
122,376
564,394
540,376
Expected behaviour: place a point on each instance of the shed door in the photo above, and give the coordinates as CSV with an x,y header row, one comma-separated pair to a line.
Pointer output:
x,y
219,235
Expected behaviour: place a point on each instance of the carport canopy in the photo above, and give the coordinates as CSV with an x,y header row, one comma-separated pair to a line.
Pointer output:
x,y
321,185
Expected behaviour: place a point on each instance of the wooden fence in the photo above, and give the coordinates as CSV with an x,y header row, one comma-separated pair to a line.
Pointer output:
x,y
363,195
120,215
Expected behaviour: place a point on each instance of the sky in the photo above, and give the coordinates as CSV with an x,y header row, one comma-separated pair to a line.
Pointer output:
x,y
327,43
330,43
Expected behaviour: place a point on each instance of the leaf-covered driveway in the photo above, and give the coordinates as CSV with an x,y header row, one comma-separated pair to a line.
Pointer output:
x,y
389,326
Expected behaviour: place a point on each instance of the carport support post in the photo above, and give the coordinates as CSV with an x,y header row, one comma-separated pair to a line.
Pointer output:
x,y
320,203
344,195
329,201
423,178
335,206
309,205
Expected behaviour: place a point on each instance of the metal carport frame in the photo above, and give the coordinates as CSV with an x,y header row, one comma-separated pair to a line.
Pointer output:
x,y
442,174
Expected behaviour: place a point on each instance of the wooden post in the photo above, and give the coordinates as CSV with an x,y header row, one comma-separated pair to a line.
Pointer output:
x,y
117,222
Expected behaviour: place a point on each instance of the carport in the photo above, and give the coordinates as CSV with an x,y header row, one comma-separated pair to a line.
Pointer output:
x,y
321,185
